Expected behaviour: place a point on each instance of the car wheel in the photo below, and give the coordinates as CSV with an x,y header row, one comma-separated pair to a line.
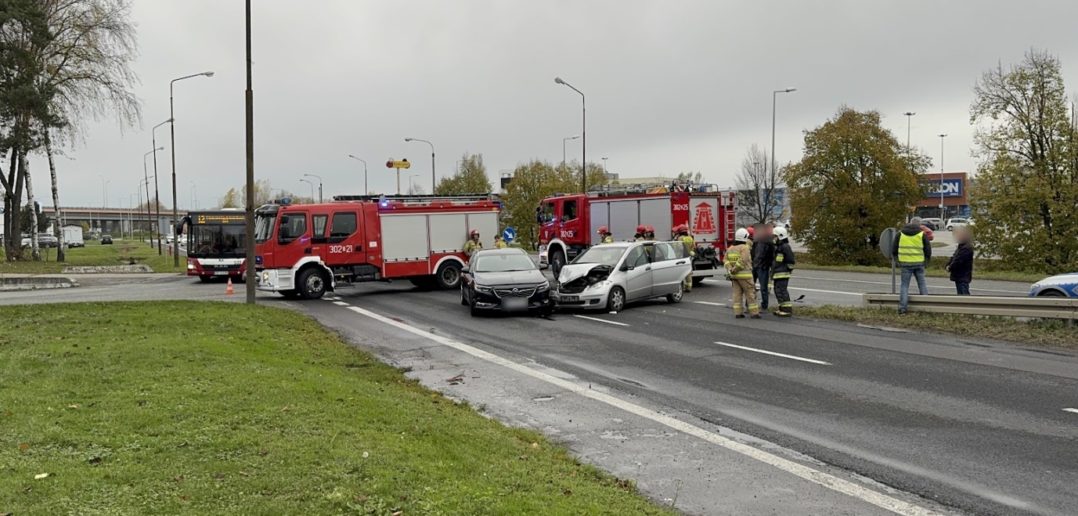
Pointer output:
x,y
472,309
1051,293
312,284
677,295
448,276
615,301
557,261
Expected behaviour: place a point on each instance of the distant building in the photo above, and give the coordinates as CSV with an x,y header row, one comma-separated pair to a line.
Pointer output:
x,y
955,195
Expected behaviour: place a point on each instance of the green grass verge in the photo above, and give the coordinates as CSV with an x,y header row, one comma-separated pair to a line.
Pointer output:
x,y
982,269
210,408
119,253
1036,332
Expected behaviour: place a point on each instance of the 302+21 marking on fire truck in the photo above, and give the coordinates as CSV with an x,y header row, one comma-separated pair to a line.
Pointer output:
x,y
335,249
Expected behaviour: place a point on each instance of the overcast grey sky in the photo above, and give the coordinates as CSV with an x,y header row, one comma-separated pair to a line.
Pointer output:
x,y
672,85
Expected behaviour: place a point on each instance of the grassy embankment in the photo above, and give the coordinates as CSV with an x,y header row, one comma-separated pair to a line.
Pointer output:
x,y
119,253
210,408
1036,332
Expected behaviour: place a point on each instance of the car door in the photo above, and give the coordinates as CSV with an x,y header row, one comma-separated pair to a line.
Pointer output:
x,y
668,268
344,242
638,278
293,241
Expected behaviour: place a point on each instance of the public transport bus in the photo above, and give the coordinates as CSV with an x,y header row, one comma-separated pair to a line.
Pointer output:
x,y
215,244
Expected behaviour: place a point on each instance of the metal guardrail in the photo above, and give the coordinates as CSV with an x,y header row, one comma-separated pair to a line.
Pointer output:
x,y
1033,307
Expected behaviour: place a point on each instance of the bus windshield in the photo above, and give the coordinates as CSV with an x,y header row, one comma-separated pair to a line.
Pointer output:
x,y
216,241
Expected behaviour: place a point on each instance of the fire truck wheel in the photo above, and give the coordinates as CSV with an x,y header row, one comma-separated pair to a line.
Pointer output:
x,y
312,283
615,301
557,261
448,276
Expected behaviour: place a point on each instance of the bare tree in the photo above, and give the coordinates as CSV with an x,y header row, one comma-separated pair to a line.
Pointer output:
x,y
757,200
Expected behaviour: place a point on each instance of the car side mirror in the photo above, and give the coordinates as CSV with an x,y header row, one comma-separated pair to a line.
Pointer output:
x,y
626,267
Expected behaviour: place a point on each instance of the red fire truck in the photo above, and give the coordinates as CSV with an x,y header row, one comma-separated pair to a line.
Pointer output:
x,y
568,223
303,250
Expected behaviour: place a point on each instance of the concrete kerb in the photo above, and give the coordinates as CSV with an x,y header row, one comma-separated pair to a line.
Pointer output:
x,y
10,282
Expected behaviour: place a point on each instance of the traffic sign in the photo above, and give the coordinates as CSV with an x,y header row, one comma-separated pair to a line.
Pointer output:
x,y
398,164
509,234
887,242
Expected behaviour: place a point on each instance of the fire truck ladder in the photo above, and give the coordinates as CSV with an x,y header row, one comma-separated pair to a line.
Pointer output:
x,y
423,199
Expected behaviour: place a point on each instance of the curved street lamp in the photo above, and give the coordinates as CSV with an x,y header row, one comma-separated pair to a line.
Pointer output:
x,y
583,135
146,179
319,185
172,143
365,190
432,177
563,141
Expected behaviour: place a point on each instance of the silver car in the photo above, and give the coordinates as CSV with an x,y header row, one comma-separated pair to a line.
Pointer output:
x,y
609,276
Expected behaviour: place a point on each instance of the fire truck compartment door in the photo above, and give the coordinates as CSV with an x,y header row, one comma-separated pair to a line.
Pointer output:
x,y
486,222
404,237
448,232
657,213
600,216
624,216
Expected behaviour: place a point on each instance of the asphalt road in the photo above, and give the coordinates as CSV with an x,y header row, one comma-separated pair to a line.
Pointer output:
x,y
977,427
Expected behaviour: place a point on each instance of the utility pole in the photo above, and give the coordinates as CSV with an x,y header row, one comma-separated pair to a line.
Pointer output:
x,y
250,211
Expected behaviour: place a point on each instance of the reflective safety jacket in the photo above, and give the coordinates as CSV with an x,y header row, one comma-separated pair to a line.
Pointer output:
x,y
608,239
739,262
690,245
471,246
784,261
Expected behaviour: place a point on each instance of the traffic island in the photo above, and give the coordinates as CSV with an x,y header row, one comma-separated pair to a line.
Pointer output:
x,y
195,407
9,282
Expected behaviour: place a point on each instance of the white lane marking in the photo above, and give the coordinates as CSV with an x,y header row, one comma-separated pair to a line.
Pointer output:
x,y
596,319
828,291
1074,410
800,470
840,280
340,303
766,352
709,303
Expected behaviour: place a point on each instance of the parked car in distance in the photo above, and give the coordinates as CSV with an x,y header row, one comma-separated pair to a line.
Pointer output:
x,y
47,240
73,236
609,276
106,239
957,222
505,280
933,223
1062,285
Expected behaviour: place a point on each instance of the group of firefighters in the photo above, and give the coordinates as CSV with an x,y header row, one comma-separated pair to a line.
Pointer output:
x,y
760,253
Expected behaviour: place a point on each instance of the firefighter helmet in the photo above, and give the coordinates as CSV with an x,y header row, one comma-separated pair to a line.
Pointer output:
x,y
681,228
649,228
474,233
752,231
641,229
781,233
741,235
603,230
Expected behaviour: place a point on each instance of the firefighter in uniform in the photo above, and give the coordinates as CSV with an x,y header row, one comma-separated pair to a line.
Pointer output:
x,y
649,232
641,233
781,271
605,236
473,244
738,265
681,232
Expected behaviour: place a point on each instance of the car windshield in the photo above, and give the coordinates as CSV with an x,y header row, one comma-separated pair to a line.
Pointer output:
x,y
602,255
503,263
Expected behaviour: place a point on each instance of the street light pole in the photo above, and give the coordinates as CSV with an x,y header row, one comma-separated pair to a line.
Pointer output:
x,y
604,158
146,179
583,135
909,122
411,190
563,140
319,185
249,213
172,149
942,136
311,183
365,190
432,177
156,191
771,187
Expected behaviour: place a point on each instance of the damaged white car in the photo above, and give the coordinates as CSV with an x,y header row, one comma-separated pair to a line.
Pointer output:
x,y
609,276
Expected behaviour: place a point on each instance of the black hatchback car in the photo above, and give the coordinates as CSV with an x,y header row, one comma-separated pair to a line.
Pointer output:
x,y
505,280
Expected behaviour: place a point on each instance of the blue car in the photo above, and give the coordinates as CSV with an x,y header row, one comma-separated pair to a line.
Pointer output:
x,y
1063,285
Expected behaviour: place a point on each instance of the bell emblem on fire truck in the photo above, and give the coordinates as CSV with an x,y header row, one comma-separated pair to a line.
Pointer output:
x,y
704,220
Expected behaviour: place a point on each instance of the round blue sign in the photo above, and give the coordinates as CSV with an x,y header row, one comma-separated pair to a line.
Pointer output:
x,y
509,234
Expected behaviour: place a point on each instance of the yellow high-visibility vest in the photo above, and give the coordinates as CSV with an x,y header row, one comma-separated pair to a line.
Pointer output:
x,y
911,249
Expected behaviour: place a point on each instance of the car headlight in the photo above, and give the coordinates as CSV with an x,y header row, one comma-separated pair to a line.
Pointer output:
x,y
265,276
484,289
543,287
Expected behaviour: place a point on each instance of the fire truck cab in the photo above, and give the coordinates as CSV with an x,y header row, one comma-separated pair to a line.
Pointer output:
x,y
568,224
304,250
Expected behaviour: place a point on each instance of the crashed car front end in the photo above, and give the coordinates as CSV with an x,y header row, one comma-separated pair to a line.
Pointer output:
x,y
584,286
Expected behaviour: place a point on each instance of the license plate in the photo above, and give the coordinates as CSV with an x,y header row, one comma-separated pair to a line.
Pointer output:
x,y
569,299
515,303
220,273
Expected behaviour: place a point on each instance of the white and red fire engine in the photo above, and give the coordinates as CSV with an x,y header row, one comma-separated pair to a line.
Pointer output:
x,y
569,223
303,250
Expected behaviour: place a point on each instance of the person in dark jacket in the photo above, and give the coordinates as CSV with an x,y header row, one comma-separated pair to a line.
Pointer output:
x,y
763,254
781,271
913,252
961,263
